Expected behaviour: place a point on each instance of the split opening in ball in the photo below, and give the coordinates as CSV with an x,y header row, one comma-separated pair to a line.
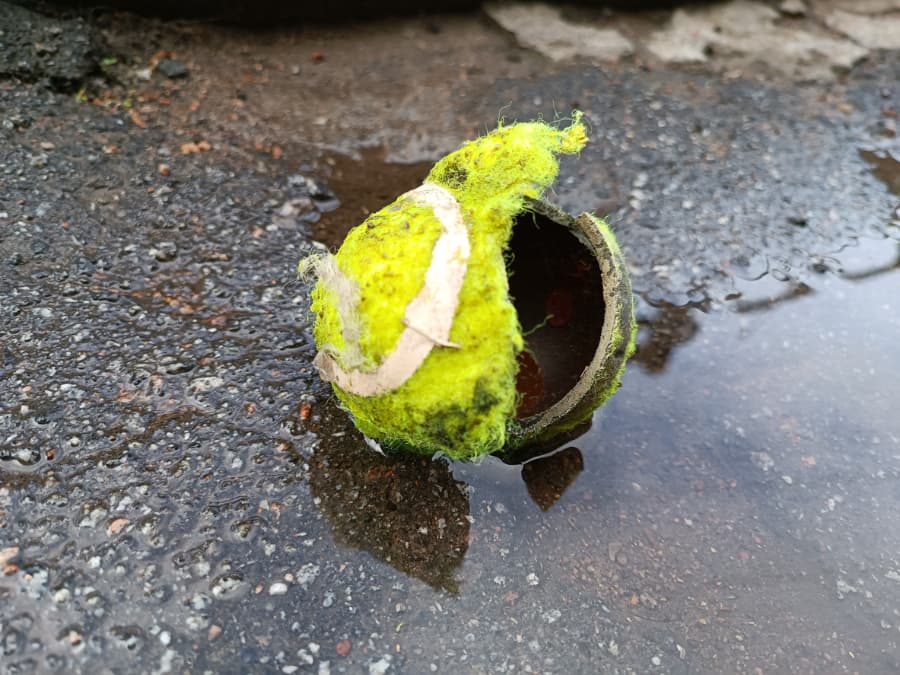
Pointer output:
x,y
557,289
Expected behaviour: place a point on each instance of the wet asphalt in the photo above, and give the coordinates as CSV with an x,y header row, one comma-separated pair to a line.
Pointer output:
x,y
180,493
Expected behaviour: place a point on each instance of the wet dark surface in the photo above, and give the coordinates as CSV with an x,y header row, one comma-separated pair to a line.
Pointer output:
x,y
179,492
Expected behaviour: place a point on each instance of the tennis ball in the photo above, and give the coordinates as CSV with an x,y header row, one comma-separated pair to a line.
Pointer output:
x,y
415,327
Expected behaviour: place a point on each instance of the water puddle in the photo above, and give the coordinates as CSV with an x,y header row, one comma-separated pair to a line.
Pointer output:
x,y
364,185
746,446
885,168
758,414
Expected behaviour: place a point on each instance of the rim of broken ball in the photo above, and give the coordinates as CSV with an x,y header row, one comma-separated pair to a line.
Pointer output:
x,y
600,379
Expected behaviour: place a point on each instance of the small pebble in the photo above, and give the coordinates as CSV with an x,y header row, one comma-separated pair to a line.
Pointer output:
x,y
172,68
165,251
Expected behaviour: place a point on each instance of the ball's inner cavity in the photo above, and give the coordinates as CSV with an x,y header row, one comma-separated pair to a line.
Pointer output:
x,y
556,287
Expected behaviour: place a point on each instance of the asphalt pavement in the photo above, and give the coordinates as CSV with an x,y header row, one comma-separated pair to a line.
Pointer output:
x,y
179,492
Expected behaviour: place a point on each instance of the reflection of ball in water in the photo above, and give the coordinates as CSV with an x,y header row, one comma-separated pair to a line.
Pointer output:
x,y
408,511
548,477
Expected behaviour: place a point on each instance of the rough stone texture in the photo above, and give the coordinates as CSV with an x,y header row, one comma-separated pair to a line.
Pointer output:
x,y
541,27
749,30
731,34
857,6
875,32
34,46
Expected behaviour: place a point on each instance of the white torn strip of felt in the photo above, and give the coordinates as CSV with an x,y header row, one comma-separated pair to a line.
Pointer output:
x,y
428,317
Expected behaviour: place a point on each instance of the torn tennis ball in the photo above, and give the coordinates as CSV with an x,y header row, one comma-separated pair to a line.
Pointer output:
x,y
470,316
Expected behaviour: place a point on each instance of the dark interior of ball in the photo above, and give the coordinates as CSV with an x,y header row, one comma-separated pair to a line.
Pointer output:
x,y
556,287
